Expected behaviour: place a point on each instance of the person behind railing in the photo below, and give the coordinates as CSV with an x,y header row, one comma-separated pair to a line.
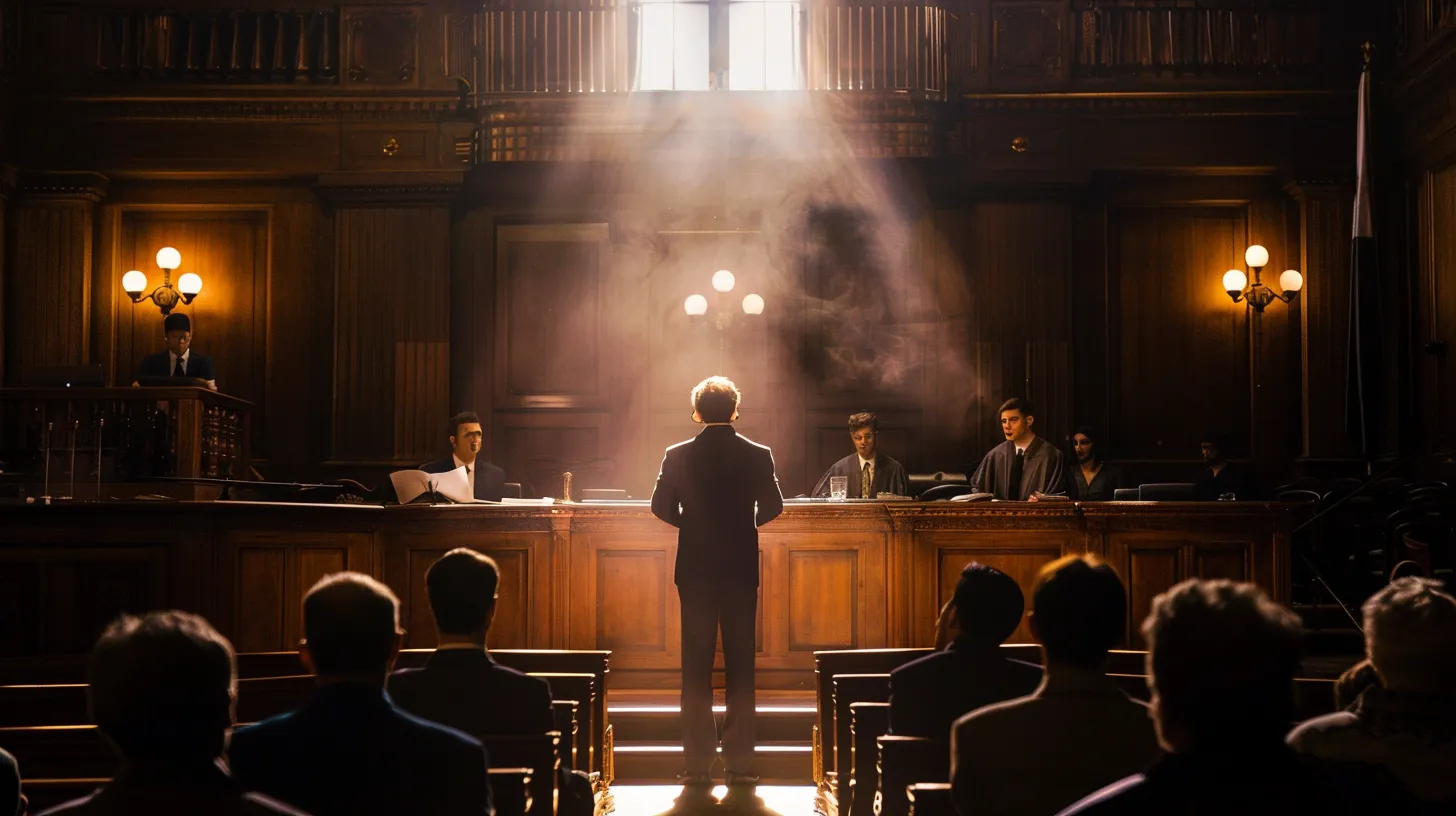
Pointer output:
x,y
178,360
1093,478
1024,467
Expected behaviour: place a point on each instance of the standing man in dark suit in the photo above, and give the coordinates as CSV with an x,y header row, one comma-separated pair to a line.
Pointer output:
x,y
717,488
178,360
486,480
868,472
349,751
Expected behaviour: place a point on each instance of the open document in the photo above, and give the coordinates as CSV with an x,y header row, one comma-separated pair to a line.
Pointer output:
x,y
453,485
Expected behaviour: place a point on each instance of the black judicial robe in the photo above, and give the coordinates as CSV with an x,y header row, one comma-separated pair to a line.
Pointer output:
x,y
889,477
1042,471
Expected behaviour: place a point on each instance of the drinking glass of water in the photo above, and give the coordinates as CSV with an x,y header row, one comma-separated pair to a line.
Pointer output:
x,y
838,487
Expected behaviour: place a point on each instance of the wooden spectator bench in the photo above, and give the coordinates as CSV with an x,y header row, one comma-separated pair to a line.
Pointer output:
x,y
539,753
867,722
845,661
848,690
25,705
905,761
579,686
930,799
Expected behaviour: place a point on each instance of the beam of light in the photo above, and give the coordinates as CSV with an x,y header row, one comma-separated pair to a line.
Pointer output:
x,y
672,43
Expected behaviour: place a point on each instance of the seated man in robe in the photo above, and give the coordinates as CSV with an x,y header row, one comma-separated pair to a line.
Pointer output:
x,y
867,471
1025,467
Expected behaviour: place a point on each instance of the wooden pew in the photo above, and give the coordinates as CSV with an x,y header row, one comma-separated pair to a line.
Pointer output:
x,y
587,756
844,661
28,705
539,755
903,762
849,689
930,799
867,722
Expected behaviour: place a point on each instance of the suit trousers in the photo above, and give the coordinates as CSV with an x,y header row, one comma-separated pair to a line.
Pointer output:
x,y
706,607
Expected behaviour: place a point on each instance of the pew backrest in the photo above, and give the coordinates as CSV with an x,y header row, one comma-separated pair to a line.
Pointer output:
x,y
867,723
905,761
828,663
930,799
850,689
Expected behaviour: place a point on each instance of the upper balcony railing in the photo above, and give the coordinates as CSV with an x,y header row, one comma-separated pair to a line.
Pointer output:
x,y
936,49
1423,24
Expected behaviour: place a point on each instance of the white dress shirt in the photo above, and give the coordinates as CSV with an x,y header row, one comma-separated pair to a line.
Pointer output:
x,y
172,361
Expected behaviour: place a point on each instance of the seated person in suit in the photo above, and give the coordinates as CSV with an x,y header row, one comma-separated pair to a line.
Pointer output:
x,y
162,689
867,471
1024,467
349,751
178,360
1078,732
1218,477
1093,479
929,694
486,480
460,686
1222,658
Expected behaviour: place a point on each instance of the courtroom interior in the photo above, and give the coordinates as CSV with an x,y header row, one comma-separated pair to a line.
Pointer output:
x,y
834,407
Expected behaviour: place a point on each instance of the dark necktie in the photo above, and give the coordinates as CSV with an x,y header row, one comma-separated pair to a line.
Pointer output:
x,y
177,371
864,482
1013,492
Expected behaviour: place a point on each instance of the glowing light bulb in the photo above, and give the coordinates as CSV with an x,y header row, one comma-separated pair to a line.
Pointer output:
x,y
696,305
753,304
189,284
1234,281
169,258
1256,257
1291,281
723,281
134,282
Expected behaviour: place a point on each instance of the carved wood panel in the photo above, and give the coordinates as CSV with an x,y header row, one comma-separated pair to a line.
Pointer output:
x,y
263,576
1020,562
632,606
535,449
824,600
57,600
381,46
1438,306
1148,568
1177,339
553,299
391,325
1029,41
47,298
509,628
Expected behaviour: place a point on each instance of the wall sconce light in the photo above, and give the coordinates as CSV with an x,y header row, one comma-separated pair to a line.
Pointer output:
x,y
723,282
165,296
1257,295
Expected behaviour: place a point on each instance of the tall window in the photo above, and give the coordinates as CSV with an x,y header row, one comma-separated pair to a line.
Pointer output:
x,y
698,45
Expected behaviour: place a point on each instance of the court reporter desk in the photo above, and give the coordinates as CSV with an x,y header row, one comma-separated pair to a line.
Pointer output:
x,y
585,576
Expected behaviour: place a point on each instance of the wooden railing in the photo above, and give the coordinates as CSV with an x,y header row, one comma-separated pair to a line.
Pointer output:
x,y
230,45
1118,37
877,46
1423,22
555,46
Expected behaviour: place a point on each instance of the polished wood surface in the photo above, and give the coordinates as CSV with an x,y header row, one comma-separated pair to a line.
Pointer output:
x,y
845,576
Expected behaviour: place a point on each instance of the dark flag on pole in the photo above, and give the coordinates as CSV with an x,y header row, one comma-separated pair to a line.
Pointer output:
x,y
1362,362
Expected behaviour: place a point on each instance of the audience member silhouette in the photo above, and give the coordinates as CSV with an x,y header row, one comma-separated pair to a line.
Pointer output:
x,y
1353,682
928,694
11,802
162,691
1221,661
1407,722
460,685
349,751
1078,732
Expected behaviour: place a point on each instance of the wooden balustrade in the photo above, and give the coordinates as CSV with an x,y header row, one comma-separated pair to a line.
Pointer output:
x,y
1117,37
225,45
877,46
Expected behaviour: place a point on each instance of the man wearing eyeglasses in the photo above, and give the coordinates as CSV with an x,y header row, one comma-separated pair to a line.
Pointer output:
x,y
868,471
486,480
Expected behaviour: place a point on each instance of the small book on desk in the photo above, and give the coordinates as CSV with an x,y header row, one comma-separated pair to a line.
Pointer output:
x,y
452,486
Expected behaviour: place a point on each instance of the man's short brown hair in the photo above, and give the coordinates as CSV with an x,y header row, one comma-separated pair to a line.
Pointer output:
x,y
1017,404
350,621
462,586
462,418
1080,608
864,419
716,399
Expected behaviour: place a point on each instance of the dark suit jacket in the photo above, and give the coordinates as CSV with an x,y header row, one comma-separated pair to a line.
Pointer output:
x,y
466,690
350,752
1229,480
889,477
928,695
173,791
717,488
489,480
158,365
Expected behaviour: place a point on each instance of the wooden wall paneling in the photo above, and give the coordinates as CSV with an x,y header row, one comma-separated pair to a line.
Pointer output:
x,y
7,184
901,438
1091,310
1030,43
58,599
1437,311
1179,362
48,284
228,248
1324,311
625,600
828,591
553,305
297,389
536,448
524,606
472,309
264,574
1018,554
392,331
1274,347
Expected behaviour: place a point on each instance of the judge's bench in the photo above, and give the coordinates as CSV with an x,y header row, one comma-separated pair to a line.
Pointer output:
x,y
598,576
